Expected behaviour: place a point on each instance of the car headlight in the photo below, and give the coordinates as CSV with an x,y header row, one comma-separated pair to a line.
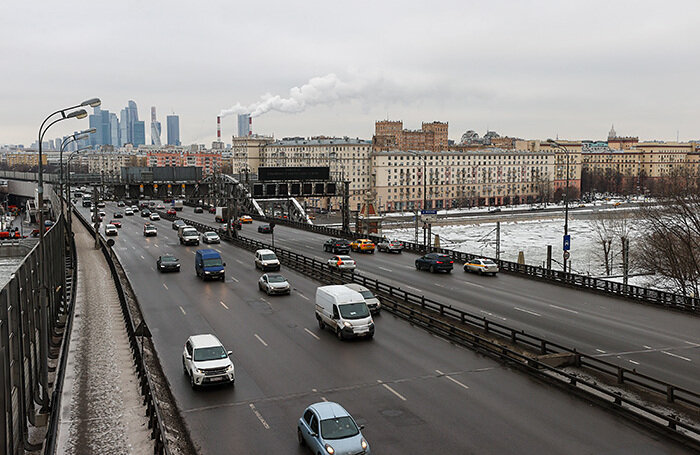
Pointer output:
x,y
363,443
207,273
229,368
177,265
330,449
347,324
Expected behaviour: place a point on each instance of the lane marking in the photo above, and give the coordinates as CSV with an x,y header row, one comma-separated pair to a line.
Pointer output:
x,y
155,246
239,261
632,361
234,279
324,398
391,390
311,333
385,269
691,343
223,304
495,316
303,297
601,351
259,416
676,355
264,300
563,309
165,286
260,339
182,309
153,269
411,287
452,379
220,252
438,285
473,284
142,257
647,347
526,311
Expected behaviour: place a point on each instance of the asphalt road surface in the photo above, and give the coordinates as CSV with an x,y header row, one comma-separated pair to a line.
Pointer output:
x,y
414,392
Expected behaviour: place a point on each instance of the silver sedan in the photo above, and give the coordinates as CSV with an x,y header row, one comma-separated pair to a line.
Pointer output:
x,y
274,283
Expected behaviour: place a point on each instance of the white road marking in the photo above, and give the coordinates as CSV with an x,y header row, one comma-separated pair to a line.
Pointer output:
x,y
264,300
239,261
438,285
601,351
452,379
676,355
155,246
303,297
142,257
473,284
391,390
324,398
133,247
632,361
218,250
647,347
234,279
691,343
491,314
411,287
223,305
259,416
563,309
182,309
385,269
153,269
165,286
526,311
260,339
311,333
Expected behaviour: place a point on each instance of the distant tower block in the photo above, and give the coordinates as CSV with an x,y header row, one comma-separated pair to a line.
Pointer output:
x,y
245,125
218,128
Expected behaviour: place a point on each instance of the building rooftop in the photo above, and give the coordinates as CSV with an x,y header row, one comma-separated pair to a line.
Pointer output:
x,y
327,141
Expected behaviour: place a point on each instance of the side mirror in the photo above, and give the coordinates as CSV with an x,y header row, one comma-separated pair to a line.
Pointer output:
x,y
229,353
362,427
188,357
224,264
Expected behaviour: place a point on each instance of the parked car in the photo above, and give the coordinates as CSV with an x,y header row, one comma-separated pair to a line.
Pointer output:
x,y
344,312
155,217
390,246
205,361
177,224
208,265
274,283
266,260
149,230
111,229
481,266
371,300
128,212
265,229
245,219
117,224
435,262
168,263
211,237
337,246
342,262
362,245
198,209
117,215
326,427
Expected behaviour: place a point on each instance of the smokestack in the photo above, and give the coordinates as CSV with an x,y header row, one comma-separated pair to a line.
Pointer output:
x,y
218,128
250,126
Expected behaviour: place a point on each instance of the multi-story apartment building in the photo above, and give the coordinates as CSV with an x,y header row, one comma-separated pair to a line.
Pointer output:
x,y
109,161
209,160
25,158
390,135
247,153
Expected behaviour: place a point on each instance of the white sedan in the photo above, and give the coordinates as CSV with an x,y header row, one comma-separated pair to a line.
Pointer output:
x,y
342,262
154,216
481,266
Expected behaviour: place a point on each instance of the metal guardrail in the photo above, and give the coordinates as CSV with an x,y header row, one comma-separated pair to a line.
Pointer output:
x,y
652,296
155,420
454,324
32,318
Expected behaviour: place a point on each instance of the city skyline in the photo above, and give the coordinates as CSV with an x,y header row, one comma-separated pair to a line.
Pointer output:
x,y
533,71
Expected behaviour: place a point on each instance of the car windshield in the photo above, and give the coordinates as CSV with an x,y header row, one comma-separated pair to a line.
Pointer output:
x,y
276,279
488,262
213,262
168,259
211,353
345,258
338,428
367,294
211,234
268,257
191,231
354,310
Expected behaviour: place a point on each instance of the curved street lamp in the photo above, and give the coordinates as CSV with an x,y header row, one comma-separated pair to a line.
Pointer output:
x,y
566,201
43,295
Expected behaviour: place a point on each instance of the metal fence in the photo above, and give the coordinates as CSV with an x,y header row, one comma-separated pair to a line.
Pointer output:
x,y
33,309
646,295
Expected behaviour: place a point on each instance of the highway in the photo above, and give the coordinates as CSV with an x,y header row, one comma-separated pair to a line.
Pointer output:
x,y
414,392
662,343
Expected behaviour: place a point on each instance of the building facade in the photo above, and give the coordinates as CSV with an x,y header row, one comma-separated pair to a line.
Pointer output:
x,y
390,135
173,123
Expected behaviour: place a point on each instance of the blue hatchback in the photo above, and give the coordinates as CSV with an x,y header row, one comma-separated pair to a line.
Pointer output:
x,y
326,427
435,262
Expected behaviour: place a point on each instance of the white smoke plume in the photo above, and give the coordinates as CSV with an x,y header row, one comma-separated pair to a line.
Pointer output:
x,y
326,89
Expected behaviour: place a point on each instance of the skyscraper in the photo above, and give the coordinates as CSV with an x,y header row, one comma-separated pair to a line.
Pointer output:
x,y
114,130
155,128
173,123
100,120
139,133
244,125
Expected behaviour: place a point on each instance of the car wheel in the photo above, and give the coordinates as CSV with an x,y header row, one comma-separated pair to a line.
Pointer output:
x,y
267,291
192,384
480,272
417,266
184,368
432,269
300,438
339,333
321,325
223,278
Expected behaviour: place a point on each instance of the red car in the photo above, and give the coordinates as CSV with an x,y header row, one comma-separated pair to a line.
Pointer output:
x,y
171,212
116,223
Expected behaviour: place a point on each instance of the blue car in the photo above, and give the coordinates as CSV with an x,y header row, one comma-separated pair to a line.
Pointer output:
x,y
327,428
435,262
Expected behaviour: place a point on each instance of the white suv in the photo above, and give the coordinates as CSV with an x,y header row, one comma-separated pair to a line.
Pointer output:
x,y
266,260
205,361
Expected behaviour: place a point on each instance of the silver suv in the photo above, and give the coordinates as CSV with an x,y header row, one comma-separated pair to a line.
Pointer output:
x,y
206,362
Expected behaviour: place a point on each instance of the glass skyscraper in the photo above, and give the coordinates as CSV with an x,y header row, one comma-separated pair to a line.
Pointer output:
x,y
173,123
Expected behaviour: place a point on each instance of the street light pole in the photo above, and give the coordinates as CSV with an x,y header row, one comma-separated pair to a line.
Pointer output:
x,y
566,199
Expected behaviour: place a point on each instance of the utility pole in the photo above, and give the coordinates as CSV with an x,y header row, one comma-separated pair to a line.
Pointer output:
x,y
96,217
625,260
498,240
346,206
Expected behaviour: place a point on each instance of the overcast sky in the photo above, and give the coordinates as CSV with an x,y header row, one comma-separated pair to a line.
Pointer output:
x,y
530,69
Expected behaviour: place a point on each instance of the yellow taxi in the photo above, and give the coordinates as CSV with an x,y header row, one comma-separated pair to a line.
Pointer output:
x,y
245,219
362,245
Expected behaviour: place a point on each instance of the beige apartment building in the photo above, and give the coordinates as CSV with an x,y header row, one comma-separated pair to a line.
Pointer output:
x,y
247,153
109,161
25,158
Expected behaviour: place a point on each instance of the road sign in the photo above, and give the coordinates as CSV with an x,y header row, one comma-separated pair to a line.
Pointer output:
x,y
567,242
428,212
429,218
566,255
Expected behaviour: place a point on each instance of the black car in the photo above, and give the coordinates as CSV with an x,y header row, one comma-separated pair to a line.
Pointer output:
x,y
337,246
168,263
118,215
198,210
435,262
177,224
145,213
265,229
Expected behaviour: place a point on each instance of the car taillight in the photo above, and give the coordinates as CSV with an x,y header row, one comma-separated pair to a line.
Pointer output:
x,y
438,262
452,262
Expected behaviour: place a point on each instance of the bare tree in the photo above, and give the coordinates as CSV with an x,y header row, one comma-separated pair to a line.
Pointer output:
x,y
608,227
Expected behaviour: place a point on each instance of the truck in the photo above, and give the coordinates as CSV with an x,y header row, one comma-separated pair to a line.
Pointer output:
x,y
221,214
344,312
178,205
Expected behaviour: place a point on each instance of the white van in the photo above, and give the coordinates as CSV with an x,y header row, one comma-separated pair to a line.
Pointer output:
x,y
266,260
344,311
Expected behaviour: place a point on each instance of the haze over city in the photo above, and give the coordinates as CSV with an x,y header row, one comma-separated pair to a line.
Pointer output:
x,y
536,70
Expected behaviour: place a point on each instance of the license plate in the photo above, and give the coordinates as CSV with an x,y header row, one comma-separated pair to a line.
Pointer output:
x,y
218,378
